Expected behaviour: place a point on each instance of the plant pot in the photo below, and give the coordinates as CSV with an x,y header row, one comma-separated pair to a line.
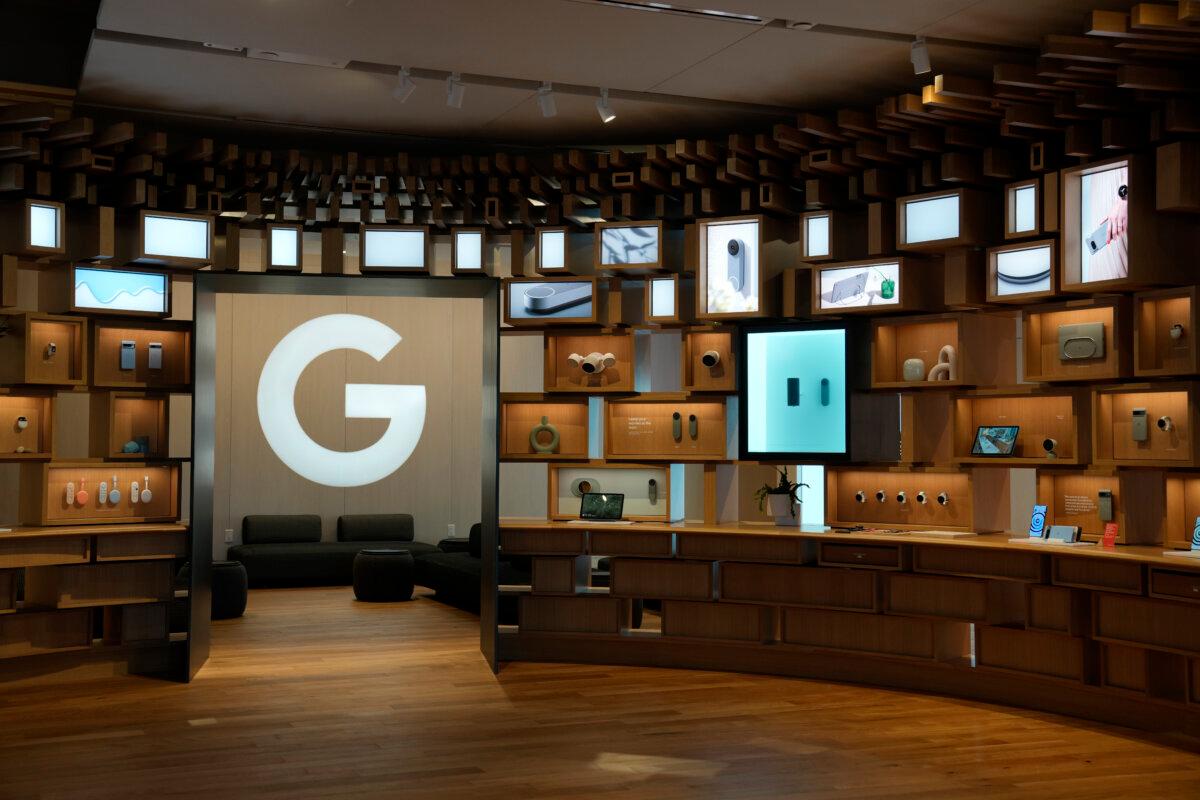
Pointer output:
x,y
780,507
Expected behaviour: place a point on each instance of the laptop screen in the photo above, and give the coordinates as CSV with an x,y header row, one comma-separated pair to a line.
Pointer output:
x,y
602,506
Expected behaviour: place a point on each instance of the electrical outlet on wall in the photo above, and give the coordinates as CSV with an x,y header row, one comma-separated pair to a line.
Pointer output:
x,y
229,536
450,529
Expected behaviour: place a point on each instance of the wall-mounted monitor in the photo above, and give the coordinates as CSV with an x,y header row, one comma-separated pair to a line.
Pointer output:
x,y
393,248
35,228
663,300
795,392
45,226
942,220
861,286
1104,224
119,291
466,250
931,219
283,247
629,245
177,240
1022,207
1021,272
730,279
815,235
550,250
542,301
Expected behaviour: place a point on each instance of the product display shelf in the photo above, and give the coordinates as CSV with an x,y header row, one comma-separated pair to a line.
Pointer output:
x,y
557,424
1078,340
669,427
1089,499
1164,333
577,361
1053,426
44,349
976,349
129,425
709,360
1146,424
26,424
136,354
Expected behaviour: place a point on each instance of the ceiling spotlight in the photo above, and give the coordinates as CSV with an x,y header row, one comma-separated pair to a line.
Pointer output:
x,y
545,98
455,89
405,85
919,56
605,111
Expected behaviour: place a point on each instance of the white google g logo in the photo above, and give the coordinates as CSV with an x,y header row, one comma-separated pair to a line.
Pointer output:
x,y
402,406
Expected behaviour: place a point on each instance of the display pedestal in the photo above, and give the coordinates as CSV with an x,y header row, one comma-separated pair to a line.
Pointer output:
x,y
1051,542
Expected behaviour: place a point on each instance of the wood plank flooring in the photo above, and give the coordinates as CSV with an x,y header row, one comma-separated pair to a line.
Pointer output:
x,y
312,695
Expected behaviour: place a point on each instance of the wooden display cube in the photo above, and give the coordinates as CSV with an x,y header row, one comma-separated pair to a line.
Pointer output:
x,y
668,301
26,425
173,341
386,248
564,373
44,493
1155,248
1057,609
943,219
795,287
1042,328
647,489
283,247
740,259
521,414
568,575
91,585
1170,414
532,303
1050,423
709,363
983,346
1164,331
44,349
1022,271
832,236
636,247
93,234
118,418
1182,509
1023,209
933,498
1177,179
1072,498
469,251
877,286
925,435
50,632
136,624
602,615
180,241
9,298
34,228
678,429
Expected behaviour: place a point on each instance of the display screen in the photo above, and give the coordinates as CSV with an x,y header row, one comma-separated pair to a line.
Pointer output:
x,y
284,247
629,245
176,237
861,287
931,220
561,300
794,393
601,505
662,298
995,440
731,267
1024,208
115,290
468,250
552,249
1024,271
384,249
43,226
816,237
1104,223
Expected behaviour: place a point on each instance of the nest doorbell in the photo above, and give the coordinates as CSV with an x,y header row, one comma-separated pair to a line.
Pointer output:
x,y
736,265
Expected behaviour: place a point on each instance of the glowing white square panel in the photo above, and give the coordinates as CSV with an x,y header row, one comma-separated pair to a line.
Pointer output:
x,y
43,226
284,247
394,249
468,250
552,249
1024,209
662,298
176,237
931,220
816,237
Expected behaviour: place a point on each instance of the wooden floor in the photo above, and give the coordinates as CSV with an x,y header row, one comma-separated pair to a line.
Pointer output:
x,y
312,695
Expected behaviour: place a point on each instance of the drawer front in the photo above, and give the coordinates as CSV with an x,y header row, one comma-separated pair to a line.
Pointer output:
x,y
140,546
1030,651
98,584
631,543
980,562
1123,667
548,543
782,549
864,633
44,551
1098,573
33,634
561,574
1056,609
815,587
932,596
1175,585
728,621
1157,624
873,556
661,580
573,614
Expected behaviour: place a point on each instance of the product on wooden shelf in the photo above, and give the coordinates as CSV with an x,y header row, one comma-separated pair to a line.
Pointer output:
x,y
1064,533
881,496
1049,444
81,494
102,493
710,358
914,369
70,493
1139,429
22,423
860,496
693,426
114,494
154,355
1105,505
592,363
1176,332
147,495
1165,424
677,426
946,368
652,489
128,354
901,497
582,486
535,439
133,492
51,351
1080,341
1037,522
943,498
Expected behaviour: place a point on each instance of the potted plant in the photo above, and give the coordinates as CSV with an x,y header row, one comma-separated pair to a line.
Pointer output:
x,y
781,499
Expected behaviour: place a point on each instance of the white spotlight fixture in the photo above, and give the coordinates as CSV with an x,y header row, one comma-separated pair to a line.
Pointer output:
x,y
405,85
545,98
605,111
919,56
455,89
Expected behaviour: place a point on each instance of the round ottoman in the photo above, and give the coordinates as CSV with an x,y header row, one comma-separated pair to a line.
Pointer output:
x,y
383,576
228,589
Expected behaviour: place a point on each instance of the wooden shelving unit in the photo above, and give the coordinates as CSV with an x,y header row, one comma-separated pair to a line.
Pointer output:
x,y
643,501
118,418
1041,415
1072,498
1164,331
1041,330
45,350
709,360
1171,415
983,346
44,495
970,209
520,414
562,374
679,429
1182,509
174,341
870,497
26,425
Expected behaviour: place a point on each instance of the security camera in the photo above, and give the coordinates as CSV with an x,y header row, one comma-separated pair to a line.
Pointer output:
x,y
575,360
22,423
594,363
860,496
710,358
736,265
1165,424
901,496
921,498
943,498
1048,444
881,496
51,349
1176,331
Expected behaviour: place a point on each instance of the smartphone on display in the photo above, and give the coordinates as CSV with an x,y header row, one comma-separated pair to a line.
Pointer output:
x,y
1098,239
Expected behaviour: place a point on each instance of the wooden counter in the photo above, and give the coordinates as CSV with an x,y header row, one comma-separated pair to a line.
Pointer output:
x,y
1105,633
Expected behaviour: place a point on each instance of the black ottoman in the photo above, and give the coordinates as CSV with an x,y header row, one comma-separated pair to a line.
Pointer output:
x,y
228,589
383,576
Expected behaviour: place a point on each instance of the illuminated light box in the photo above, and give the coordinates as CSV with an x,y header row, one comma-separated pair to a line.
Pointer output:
x,y
393,248
736,258
1022,209
550,250
815,236
662,298
941,220
118,291
34,228
629,245
795,394
542,301
877,286
1021,272
466,250
283,247
860,286
178,240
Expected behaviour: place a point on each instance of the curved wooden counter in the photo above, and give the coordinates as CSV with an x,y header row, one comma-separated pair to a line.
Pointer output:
x,y
1104,633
